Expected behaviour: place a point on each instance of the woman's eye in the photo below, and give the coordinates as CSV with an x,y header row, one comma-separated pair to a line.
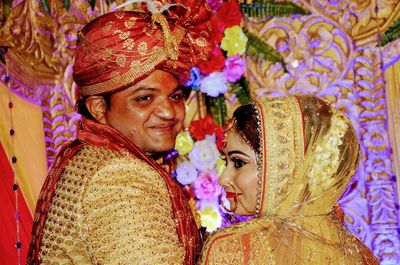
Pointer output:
x,y
238,163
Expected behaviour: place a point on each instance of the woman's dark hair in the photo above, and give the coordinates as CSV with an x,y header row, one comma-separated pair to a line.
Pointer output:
x,y
247,125
82,109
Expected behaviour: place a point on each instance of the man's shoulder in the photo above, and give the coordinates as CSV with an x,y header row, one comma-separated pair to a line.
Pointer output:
x,y
102,160
88,160
96,154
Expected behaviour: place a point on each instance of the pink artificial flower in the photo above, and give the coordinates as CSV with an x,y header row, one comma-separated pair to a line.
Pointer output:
x,y
214,4
234,68
206,185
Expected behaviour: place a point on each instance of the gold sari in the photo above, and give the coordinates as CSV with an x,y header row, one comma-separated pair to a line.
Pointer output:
x,y
309,152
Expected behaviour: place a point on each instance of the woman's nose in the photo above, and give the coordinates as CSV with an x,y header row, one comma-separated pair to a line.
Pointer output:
x,y
225,177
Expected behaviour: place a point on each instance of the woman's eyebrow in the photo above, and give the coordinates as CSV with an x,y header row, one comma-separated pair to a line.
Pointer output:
x,y
237,152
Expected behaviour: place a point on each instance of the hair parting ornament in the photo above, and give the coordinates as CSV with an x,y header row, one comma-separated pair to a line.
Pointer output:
x,y
230,126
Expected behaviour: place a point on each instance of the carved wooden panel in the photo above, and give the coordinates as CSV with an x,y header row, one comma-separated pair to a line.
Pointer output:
x,y
331,53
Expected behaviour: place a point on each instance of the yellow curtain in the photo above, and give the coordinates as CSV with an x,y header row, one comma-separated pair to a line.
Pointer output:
x,y
29,144
392,77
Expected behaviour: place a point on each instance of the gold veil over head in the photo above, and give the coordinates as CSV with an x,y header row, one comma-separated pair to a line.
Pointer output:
x,y
309,152
307,155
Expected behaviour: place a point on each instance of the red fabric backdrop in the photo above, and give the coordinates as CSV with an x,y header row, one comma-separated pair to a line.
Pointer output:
x,y
8,232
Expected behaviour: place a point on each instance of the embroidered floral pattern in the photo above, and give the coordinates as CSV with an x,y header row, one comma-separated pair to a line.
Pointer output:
x,y
326,159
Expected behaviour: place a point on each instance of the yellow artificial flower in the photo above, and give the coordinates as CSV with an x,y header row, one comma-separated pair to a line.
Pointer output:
x,y
196,215
234,41
210,219
184,143
221,165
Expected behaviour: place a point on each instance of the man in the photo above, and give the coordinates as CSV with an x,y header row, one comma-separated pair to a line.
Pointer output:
x,y
106,200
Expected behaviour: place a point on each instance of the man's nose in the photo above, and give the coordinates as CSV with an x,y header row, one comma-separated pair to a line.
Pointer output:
x,y
166,109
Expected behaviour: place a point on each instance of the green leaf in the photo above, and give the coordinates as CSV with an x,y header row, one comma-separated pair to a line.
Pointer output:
x,y
3,51
45,5
92,3
6,9
258,48
392,33
262,9
67,4
218,109
241,90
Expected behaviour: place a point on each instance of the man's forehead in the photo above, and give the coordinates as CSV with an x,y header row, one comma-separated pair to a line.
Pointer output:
x,y
150,87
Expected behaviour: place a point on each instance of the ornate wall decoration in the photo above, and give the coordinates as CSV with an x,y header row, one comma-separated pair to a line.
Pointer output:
x,y
39,58
391,54
333,53
377,157
357,18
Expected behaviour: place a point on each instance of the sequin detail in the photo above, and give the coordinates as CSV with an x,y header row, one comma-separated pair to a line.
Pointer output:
x,y
110,208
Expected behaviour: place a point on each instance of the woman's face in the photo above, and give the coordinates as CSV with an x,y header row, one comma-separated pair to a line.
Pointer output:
x,y
239,179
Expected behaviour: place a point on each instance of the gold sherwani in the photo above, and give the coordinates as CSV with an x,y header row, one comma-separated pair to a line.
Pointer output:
x,y
106,203
103,197
308,154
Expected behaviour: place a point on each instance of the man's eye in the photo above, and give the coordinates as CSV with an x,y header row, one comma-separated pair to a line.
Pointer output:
x,y
177,96
143,98
238,163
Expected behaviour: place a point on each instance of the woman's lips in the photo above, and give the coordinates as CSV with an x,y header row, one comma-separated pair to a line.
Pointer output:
x,y
232,195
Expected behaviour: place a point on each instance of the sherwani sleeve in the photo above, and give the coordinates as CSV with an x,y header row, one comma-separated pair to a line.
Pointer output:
x,y
127,216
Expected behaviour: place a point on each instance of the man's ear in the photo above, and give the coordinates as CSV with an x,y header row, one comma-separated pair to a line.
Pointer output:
x,y
97,107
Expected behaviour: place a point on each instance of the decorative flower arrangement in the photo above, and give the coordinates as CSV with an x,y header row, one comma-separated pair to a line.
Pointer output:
x,y
212,77
200,167
199,163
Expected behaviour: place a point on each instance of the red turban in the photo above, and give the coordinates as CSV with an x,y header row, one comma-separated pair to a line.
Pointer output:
x,y
118,49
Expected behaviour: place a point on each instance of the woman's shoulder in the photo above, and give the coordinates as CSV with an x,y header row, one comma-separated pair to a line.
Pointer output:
x,y
233,243
238,230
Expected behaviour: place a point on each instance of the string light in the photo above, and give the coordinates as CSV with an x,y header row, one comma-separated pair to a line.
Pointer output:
x,y
14,161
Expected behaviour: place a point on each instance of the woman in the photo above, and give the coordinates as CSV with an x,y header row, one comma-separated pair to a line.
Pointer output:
x,y
289,159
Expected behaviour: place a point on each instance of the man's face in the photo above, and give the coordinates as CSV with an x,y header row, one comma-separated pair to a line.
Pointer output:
x,y
150,113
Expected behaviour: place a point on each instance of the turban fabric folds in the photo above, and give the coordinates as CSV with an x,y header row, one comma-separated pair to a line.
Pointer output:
x,y
118,49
